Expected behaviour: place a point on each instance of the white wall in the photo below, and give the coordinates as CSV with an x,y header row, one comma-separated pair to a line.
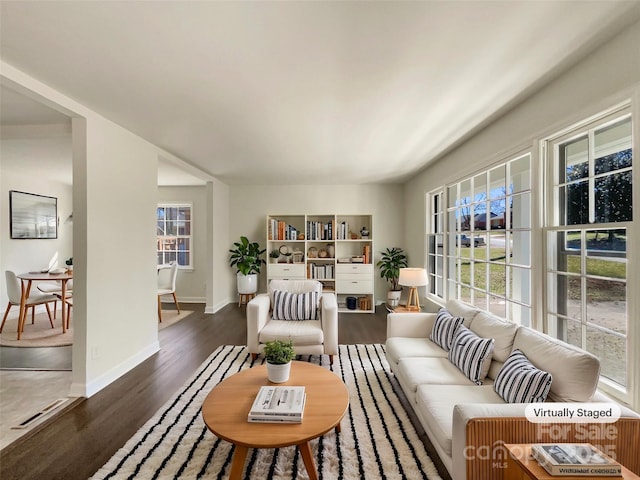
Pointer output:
x,y
249,206
219,283
191,284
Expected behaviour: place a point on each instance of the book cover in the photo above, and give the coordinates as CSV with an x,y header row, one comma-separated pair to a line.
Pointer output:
x,y
565,459
280,403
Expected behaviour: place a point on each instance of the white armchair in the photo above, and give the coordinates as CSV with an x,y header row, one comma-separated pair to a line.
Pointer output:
x,y
310,337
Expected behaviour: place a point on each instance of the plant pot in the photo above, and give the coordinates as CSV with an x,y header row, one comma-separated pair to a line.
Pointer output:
x,y
278,373
247,283
393,298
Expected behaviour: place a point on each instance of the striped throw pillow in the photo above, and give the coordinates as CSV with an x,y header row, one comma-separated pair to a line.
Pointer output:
x,y
519,381
445,328
295,306
471,354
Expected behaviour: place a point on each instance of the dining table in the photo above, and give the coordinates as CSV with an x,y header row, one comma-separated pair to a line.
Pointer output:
x,y
26,281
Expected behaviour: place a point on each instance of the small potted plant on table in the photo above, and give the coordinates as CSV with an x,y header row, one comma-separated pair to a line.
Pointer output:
x,y
279,354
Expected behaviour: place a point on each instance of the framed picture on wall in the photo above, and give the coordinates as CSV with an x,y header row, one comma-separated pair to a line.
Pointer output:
x,y
32,216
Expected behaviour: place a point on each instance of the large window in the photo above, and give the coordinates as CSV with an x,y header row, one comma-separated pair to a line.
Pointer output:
x,y
435,243
592,211
175,242
489,240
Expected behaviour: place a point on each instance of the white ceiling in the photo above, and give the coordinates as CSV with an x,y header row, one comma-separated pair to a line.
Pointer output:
x,y
302,92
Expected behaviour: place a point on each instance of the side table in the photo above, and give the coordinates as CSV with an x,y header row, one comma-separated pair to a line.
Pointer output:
x,y
522,466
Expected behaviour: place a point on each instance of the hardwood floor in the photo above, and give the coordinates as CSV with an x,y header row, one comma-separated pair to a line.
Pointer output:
x,y
79,441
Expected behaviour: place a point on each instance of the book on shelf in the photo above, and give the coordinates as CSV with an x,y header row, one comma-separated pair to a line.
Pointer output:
x,y
577,459
278,404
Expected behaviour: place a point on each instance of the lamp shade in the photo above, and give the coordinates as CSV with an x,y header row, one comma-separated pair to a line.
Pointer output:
x,y
413,277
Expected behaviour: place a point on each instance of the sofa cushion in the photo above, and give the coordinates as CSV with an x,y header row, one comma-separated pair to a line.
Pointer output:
x,y
444,329
435,404
489,326
401,347
305,332
433,371
471,354
460,309
575,372
295,306
519,381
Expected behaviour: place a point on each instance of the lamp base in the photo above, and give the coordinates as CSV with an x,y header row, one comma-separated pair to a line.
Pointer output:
x,y
413,297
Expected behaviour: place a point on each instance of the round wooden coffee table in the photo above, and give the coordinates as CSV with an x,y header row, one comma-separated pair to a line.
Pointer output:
x,y
226,408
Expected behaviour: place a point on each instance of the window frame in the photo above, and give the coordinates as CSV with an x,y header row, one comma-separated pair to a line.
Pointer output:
x,y
556,225
464,193
189,237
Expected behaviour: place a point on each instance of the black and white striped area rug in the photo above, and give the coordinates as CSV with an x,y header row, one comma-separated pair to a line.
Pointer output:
x,y
377,438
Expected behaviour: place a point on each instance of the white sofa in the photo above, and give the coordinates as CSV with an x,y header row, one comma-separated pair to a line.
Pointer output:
x,y
310,337
468,423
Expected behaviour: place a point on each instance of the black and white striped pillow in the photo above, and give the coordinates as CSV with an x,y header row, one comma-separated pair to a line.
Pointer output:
x,y
295,306
519,381
471,354
445,328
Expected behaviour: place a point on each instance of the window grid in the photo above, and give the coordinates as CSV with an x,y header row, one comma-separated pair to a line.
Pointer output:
x,y
435,243
489,240
174,234
587,240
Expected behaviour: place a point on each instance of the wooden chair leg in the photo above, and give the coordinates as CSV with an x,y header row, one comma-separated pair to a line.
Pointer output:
x,y
331,359
68,314
159,309
176,301
33,314
49,313
55,308
6,313
254,356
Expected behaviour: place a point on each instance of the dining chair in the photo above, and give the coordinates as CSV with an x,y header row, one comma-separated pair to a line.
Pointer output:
x,y
55,288
167,275
14,292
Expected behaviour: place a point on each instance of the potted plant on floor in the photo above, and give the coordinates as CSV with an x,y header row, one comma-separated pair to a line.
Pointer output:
x,y
246,257
393,259
279,354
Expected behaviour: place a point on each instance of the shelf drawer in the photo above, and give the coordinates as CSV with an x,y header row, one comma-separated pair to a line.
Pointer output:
x,y
354,286
359,268
286,270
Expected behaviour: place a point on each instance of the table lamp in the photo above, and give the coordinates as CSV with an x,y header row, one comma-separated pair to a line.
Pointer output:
x,y
413,278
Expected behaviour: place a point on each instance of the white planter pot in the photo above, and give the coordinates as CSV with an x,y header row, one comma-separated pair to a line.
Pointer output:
x,y
247,283
393,298
278,373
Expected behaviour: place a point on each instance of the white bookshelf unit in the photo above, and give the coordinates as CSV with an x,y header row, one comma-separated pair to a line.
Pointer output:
x,y
329,248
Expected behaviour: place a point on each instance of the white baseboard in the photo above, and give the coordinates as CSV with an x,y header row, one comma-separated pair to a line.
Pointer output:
x,y
210,309
169,300
97,384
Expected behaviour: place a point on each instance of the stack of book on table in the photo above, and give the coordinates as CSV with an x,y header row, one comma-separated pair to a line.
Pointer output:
x,y
575,459
275,404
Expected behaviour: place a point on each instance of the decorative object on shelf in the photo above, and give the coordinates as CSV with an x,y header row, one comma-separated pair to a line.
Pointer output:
x,y
393,259
301,236
344,260
322,253
274,255
279,354
364,232
352,303
413,278
331,250
357,259
313,252
353,236
298,256
246,258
